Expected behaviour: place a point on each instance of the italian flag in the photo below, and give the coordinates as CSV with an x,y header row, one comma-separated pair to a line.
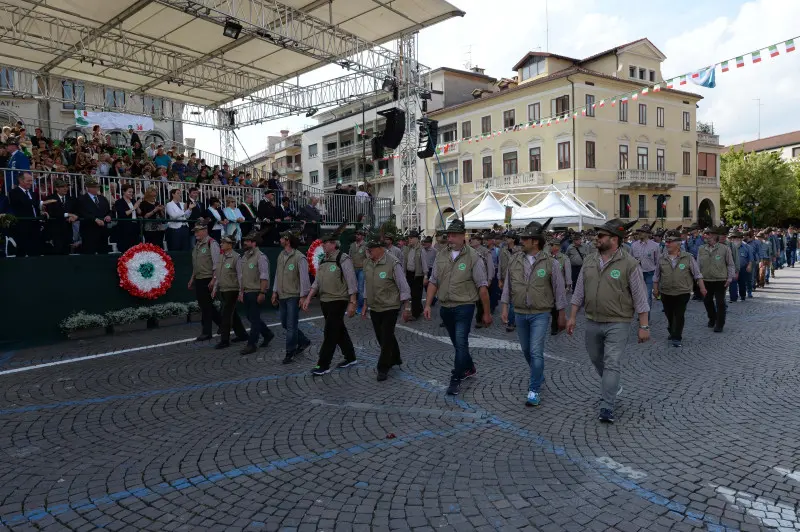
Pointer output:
x,y
657,88
756,56
635,96
575,115
628,206
725,66
645,90
740,61
624,99
583,111
695,75
602,103
773,51
613,102
790,46
358,130
670,83
683,80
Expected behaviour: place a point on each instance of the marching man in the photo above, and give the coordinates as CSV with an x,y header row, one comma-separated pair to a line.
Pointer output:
x,y
254,283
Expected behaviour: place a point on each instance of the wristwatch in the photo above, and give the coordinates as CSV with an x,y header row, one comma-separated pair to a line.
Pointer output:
x,y
644,327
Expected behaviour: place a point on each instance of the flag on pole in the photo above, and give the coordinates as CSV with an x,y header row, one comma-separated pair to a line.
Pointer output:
x,y
790,46
725,66
740,61
358,130
773,51
756,56
705,77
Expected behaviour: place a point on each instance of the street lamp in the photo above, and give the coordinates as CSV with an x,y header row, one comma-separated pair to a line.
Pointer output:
x,y
752,204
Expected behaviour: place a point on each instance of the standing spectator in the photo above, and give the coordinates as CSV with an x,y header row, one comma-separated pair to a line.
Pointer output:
x,y
177,228
268,211
273,183
26,207
126,210
234,217
217,220
248,211
18,162
60,217
150,209
151,151
289,212
117,168
39,137
95,215
97,134
134,137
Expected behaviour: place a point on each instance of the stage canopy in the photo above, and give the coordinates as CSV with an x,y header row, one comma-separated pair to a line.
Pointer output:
x,y
563,210
488,212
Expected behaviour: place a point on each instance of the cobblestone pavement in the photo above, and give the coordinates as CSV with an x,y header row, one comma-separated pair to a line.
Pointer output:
x,y
183,437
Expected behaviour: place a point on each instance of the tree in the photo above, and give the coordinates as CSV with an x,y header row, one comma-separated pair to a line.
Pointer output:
x,y
763,177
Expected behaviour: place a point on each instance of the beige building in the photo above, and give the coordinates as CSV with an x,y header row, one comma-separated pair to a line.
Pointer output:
x,y
630,158
787,144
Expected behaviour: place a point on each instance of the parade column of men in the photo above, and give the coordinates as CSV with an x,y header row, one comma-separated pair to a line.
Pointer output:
x,y
717,267
291,285
476,243
505,259
227,283
254,281
564,267
415,273
205,257
358,254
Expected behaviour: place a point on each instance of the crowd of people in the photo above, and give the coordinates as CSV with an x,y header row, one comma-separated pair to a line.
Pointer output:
x,y
540,278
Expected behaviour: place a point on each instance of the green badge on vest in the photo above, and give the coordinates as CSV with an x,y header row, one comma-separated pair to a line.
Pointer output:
x,y
252,266
382,275
681,266
361,251
615,274
291,267
204,250
227,265
462,266
333,268
717,257
540,272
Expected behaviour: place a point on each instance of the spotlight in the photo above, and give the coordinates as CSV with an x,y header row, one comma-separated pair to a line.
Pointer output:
x,y
232,29
232,117
311,112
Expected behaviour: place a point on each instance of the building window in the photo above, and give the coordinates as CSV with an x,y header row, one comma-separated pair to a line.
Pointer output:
x,y
589,105
153,106
510,163
687,163
6,79
115,98
75,94
448,175
487,167
466,171
486,125
466,130
590,154
314,176
643,114
332,175
687,211
643,206
623,157
623,111
559,105
532,68
508,119
707,164
661,206
659,116
312,151
624,206
563,155
795,152
641,158
535,155
643,74
653,76
660,160
448,134
687,121
534,112
632,72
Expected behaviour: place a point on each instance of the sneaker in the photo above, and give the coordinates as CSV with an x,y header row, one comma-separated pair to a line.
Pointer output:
x,y
383,375
347,363
319,370
470,373
676,343
533,399
455,386
606,415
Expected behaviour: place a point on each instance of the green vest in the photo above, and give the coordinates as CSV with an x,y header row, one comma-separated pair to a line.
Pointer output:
x,y
227,279
288,273
251,277
202,265
712,262
564,264
454,277
734,255
678,280
418,272
537,289
358,254
607,294
330,279
505,259
382,291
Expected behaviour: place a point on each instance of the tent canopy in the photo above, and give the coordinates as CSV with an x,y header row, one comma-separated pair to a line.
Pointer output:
x,y
563,211
488,212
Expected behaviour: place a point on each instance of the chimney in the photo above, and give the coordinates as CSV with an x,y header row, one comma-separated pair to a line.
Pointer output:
x,y
477,70
284,133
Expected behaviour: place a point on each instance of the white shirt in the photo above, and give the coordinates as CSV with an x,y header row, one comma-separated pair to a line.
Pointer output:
x,y
130,207
177,211
454,254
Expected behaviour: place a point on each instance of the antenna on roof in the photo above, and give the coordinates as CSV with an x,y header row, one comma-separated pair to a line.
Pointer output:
x,y
547,28
468,63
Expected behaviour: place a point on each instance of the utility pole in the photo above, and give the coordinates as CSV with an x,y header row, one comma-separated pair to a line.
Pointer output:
x,y
547,28
759,115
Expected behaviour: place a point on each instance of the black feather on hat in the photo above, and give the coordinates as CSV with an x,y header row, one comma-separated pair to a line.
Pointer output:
x,y
535,229
616,227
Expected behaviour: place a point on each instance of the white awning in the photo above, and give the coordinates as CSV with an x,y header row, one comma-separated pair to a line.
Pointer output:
x,y
488,212
563,210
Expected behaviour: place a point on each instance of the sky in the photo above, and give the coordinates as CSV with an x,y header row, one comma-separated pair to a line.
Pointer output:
x,y
693,34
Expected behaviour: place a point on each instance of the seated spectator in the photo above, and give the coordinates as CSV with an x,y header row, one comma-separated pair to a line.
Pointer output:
x,y
179,168
234,217
151,151
6,134
104,165
192,168
24,141
162,159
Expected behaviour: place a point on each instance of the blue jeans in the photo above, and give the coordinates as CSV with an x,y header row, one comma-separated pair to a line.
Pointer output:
x,y
494,294
648,281
360,282
458,322
512,317
532,330
751,278
290,313
791,256
741,286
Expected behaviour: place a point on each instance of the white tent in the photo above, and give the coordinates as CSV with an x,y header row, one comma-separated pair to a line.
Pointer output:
x,y
488,212
562,209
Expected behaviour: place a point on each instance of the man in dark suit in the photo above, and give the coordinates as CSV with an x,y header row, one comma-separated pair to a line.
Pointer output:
x,y
17,161
134,137
25,206
60,207
248,211
268,211
198,212
95,214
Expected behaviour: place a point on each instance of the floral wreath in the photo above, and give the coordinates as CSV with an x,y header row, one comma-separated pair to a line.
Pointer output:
x,y
314,256
145,271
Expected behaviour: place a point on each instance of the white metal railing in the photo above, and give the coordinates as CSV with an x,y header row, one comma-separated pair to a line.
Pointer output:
x,y
708,138
284,170
509,181
657,177
346,150
706,181
329,155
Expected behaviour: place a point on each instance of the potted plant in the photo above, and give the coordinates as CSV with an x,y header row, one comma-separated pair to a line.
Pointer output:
x,y
127,319
84,325
169,314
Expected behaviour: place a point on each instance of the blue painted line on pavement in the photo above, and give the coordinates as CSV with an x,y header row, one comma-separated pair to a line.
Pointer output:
x,y
8,355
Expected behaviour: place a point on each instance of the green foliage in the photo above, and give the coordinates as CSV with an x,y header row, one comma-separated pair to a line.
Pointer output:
x,y
83,320
763,177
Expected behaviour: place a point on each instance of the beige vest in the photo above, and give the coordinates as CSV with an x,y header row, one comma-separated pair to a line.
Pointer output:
x,y
227,280
288,272
607,294
382,291
537,289
330,279
712,262
505,258
678,280
454,277
358,254
251,277
418,272
202,265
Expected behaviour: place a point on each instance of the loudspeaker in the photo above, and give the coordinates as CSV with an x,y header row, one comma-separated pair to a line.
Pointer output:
x,y
428,137
395,127
377,147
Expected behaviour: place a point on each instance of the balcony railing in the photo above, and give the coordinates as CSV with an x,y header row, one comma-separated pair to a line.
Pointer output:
x,y
644,214
346,150
284,170
447,148
330,154
705,181
441,190
708,138
630,177
509,181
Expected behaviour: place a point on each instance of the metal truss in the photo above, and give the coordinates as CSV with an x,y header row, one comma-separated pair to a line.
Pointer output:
x,y
227,147
409,102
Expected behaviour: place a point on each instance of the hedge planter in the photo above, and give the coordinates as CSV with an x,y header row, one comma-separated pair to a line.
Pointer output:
x,y
85,334
139,325
194,317
172,320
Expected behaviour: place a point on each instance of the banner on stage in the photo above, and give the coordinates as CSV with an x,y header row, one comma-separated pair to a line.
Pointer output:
x,y
109,121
